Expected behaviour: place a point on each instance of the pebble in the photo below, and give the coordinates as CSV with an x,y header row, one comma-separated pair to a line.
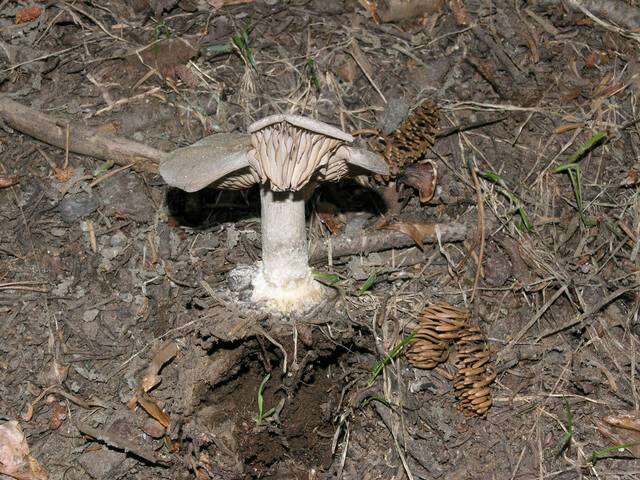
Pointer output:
x,y
90,315
74,207
153,428
118,240
109,253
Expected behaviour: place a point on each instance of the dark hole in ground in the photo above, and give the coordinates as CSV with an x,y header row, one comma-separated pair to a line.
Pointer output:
x,y
298,440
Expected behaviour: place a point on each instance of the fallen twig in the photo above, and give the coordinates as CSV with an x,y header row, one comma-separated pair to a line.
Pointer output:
x,y
83,140
342,245
118,442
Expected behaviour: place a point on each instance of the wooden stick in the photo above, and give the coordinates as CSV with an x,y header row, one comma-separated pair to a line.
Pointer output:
x,y
82,140
342,245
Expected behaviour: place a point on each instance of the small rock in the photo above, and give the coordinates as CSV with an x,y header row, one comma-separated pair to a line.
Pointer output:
x,y
90,315
109,253
90,329
101,463
63,287
118,240
125,195
232,237
58,232
239,279
153,428
395,113
357,269
126,297
497,267
74,207
355,224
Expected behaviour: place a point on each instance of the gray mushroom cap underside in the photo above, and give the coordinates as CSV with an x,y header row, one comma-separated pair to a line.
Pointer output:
x,y
228,160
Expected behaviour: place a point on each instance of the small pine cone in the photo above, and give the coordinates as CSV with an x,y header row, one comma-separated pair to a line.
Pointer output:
x,y
411,140
475,373
440,324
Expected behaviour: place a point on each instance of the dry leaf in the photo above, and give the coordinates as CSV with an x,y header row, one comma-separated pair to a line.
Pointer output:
x,y
63,174
620,436
632,178
626,420
460,12
185,74
372,7
590,60
416,231
28,14
58,414
153,428
329,216
423,177
8,181
151,378
15,460
567,127
152,408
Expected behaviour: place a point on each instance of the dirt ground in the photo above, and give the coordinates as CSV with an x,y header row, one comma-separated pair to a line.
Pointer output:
x,y
123,352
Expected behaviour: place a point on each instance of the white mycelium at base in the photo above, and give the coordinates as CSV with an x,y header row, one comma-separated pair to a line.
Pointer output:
x,y
284,280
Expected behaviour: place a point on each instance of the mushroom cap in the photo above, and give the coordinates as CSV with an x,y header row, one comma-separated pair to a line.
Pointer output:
x,y
205,162
305,123
287,151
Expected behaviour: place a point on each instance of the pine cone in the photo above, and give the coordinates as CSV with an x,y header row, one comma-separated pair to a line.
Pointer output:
x,y
440,324
475,372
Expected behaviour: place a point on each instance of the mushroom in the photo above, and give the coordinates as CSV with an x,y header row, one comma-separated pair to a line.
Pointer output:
x,y
286,155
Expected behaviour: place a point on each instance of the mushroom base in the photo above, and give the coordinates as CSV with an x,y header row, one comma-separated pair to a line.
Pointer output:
x,y
297,295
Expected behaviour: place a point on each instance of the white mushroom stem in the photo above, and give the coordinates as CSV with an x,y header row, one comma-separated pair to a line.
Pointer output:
x,y
285,279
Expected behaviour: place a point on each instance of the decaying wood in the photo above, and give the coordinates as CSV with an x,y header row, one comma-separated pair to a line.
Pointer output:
x,y
118,442
82,140
342,245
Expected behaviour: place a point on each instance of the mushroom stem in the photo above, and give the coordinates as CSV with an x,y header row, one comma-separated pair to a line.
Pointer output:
x,y
284,237
284,279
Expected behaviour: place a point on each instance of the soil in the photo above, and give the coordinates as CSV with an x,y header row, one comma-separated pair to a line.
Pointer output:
x,y
124,351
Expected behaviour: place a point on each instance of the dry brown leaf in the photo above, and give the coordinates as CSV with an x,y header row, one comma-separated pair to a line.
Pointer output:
x,y
8,181
626,420
567,127
185,74
329,216
372,7
15,460
460,12
58,414
152,408
620,436
423,177
416,231
152,378
63,174
632,178
28,14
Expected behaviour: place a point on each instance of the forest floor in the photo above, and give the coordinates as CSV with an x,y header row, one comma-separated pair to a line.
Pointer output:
x,y
123,354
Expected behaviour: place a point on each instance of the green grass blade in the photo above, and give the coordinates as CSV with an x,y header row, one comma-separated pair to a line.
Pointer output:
x,y
328,278
603,452
370,282
592,142
568,435
395,351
